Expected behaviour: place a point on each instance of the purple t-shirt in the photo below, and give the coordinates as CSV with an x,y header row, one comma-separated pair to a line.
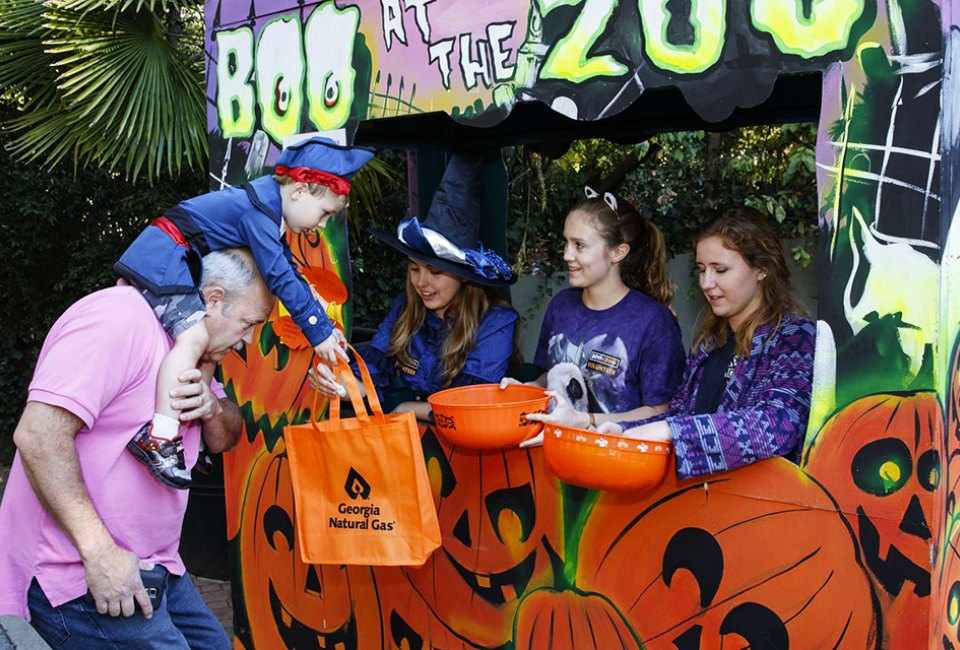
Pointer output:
x,y
629,355
100,362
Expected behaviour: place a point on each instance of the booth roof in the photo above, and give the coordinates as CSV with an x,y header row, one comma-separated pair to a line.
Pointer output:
x,y
795,98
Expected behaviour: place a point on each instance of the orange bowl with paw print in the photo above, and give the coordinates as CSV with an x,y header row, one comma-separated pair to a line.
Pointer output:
x,y
604,461
486,416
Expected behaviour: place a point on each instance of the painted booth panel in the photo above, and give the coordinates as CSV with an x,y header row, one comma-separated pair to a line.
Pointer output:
x,y
856,547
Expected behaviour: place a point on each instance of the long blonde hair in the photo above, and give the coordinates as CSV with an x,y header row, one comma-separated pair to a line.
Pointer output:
x,y
461,318
645,266
752,235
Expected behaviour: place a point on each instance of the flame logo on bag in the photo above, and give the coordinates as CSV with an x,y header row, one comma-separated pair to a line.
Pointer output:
x,y
356,485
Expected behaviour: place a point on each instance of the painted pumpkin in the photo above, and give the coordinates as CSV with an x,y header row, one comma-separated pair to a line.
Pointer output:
x,y
946,593
270,376
712,565
290,604
946,588
408,622
945,630
495,511
879,459
268,381
571,619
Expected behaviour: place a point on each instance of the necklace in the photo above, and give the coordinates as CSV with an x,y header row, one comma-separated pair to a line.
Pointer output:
x,y
730,368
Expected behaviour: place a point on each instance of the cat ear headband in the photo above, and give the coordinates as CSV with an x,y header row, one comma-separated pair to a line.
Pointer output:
x,y
608,198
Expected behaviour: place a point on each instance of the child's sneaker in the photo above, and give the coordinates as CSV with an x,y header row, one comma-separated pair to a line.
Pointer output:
x,y
164,458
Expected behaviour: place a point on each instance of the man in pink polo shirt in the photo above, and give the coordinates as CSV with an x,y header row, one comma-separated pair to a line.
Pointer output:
x,y
80,517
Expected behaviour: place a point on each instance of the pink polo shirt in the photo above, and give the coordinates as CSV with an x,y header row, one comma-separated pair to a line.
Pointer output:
x,y
100,362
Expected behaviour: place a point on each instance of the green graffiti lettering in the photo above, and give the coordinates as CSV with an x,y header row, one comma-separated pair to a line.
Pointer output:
x,y
568,59
825,29
708,20
235,97
329,37
280,71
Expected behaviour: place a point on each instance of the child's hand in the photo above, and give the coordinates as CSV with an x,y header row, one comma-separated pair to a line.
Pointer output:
x,y
330,351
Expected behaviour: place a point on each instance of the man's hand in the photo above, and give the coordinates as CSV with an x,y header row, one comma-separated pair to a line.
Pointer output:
x,y
193,398
113,576
330,350
322,378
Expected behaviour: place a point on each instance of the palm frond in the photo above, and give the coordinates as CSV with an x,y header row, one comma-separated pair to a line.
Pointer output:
x,y
366,192
153,6
118,90
25,66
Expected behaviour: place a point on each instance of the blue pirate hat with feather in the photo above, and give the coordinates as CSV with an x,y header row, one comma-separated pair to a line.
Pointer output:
x,y
449,237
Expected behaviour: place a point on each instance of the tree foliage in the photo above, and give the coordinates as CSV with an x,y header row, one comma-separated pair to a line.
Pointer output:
x,y
679,180
114,84
60,234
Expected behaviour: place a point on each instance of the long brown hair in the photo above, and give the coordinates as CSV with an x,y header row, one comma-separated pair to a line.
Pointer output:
x,y
462,319
645,266
752,235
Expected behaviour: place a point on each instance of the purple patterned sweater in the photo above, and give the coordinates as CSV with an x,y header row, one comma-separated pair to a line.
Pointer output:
x,y
763,411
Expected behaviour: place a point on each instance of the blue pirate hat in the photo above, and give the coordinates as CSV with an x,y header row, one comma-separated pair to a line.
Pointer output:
x,y
449,236
320,160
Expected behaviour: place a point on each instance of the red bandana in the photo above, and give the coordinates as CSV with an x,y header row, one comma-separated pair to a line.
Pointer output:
x,y
338,184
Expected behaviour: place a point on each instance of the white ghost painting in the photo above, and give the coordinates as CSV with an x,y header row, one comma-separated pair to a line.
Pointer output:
x,y
900,280
328,41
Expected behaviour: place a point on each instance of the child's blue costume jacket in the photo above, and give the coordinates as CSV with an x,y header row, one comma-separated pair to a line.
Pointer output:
x,y
246,216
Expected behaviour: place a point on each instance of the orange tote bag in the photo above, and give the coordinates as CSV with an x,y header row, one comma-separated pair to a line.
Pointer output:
x,y
360,485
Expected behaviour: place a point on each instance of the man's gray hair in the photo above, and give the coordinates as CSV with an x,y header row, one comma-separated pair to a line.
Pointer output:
x,y
231,269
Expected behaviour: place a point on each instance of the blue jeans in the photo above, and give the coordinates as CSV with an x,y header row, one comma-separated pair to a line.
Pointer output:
x,y
182,620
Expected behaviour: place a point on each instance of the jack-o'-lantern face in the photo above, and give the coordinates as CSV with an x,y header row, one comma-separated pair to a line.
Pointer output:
x,y
268,381
878,459
291,604
711,565
946,592
408,622
269,378
949,620
493,508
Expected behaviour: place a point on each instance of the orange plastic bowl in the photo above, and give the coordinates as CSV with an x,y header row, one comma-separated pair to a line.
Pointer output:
x,y
603,461
486,416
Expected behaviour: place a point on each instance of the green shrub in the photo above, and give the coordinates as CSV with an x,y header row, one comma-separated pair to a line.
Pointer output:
x,y
60,234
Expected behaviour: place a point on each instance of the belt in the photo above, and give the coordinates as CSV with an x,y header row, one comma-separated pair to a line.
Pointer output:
x,y
182,229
